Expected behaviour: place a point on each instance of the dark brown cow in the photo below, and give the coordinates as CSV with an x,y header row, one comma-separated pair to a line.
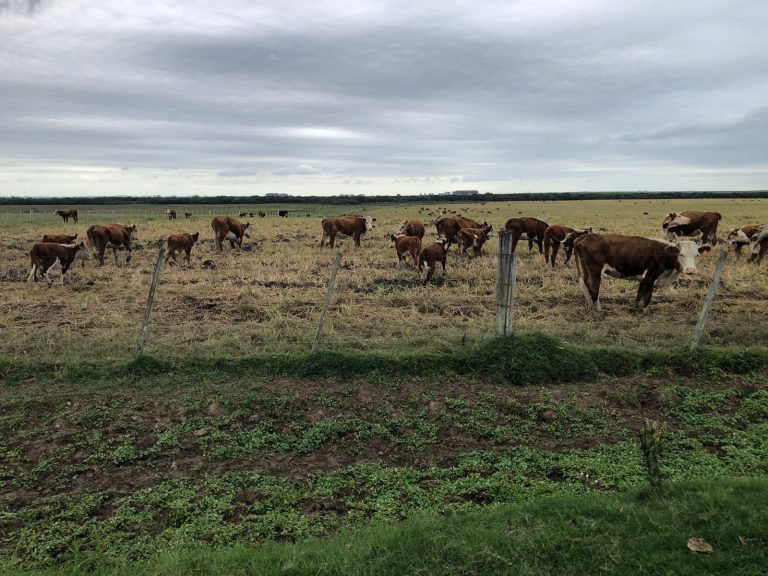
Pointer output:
x,y
115,236
171,214
282,213
262,214
431,255
532,228
739,237
354,226
47,255
449,226
412,228
59,238
473,238
226,228
187,215
690,223
404,245
183,241
654,263
557,234
67,214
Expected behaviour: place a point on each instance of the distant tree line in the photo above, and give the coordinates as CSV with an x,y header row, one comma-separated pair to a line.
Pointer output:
x,y
377,199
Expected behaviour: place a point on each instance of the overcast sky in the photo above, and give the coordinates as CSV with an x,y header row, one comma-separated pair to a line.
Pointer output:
x,y
349,97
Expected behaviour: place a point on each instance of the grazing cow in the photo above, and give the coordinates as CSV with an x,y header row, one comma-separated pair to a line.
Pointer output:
x,y
187,215
405,244
171,214
531,228
558,234
431,255
761,245
115,236
262,214
67,214
412,228
654,263
282,213
183,241
47,255
449,226
691,223
474,238
226,228
739,237
59,238
354,226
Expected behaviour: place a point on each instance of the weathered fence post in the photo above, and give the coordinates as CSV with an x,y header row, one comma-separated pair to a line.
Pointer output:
x,y
326,301
150,300
505,284
699,329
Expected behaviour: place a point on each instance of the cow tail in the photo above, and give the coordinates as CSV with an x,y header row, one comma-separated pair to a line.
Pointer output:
x,y
91,242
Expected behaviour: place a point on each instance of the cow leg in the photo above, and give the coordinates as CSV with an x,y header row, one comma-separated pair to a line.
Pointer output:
x,y
64,270
644,293
555,249
430,271
189,252
515,240
332,240
530,245
539,243
357,240
169,255
32,274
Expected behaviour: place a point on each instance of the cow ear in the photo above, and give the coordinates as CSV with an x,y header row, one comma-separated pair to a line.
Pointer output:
x,y
672,250
705,249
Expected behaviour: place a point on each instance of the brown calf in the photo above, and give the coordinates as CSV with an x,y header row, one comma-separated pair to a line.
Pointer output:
x,y
448,226
431,255
412,228
406,245
532,228
654,263
115,236
67,214
47,255
226,228
183,241
60,238
558,234
187,215
171,214
690,223
473,238
345,226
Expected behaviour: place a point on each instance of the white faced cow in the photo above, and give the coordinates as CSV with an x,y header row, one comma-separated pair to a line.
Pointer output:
x,y
653,263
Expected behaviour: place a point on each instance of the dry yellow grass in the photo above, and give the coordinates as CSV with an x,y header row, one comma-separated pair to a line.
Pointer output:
x,y
268,297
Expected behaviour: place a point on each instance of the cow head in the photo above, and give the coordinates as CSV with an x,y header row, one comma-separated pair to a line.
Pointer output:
x,y
247,230
195,237
133,234
737,236
393,238
368,223
401,229
443,241
687,253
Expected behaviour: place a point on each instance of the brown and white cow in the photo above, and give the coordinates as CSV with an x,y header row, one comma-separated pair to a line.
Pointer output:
x,y
532,229
49,255
227,228
412,228
431,255
691,223
354,226
760,246
67,214
171,214
404,245
740,237
183,241
60,238
473,238
448,226
557,234
115,236
654,263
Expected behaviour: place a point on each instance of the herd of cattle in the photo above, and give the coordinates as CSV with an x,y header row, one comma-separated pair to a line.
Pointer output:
x,y
654,263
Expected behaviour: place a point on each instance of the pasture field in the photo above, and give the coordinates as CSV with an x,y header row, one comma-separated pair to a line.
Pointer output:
x,y
268,297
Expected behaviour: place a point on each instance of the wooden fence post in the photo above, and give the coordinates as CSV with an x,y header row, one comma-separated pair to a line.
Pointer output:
x,y
506,276
326,301
150,300
699,329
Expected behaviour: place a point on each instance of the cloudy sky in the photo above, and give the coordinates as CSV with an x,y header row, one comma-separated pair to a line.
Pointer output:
x,y
334,96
